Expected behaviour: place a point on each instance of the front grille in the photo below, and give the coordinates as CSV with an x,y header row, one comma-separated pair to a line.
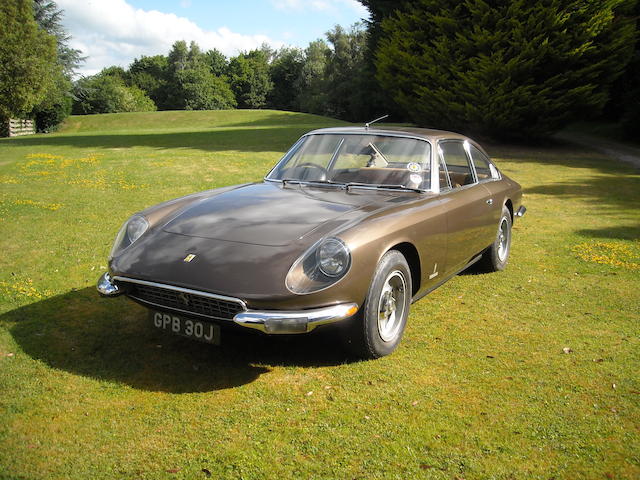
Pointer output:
x,y
185,302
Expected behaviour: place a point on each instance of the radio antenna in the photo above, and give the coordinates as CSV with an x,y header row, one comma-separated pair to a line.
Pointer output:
x,y
366,125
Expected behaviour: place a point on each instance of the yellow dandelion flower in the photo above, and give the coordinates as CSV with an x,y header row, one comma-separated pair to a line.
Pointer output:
x,y
617,254
32,203
44,155
9,180
23,288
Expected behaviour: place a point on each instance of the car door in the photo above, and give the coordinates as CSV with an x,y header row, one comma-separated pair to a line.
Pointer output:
x,y
469,206
487,175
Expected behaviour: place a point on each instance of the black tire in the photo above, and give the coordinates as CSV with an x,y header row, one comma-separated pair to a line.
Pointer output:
x,y
495,258
377,329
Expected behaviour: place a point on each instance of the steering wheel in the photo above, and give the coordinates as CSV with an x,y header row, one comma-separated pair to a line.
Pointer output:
x,y
321,171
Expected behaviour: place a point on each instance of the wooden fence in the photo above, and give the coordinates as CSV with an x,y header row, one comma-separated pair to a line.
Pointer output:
x,y
15,127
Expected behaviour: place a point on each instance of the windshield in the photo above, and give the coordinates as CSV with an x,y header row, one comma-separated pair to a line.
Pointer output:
x,y
357,159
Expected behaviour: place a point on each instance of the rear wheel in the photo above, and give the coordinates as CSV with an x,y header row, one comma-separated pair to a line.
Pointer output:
x,y
377,329
495,258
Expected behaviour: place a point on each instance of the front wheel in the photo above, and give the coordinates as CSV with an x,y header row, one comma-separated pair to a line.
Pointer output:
x,y
378,328
495,258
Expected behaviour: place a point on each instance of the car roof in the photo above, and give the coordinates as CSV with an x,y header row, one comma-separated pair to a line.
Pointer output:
x,y
426,133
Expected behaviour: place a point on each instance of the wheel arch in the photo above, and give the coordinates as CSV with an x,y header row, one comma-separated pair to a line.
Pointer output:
x,y
410,253
509,205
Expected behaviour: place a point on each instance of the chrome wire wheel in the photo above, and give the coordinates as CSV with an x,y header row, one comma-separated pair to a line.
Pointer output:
x,y
504,232
391,305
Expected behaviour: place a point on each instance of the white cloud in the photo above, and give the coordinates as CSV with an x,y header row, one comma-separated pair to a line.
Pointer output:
x,y
332,6
112,32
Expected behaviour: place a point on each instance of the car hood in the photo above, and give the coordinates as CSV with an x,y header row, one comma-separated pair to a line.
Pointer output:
x,y
264,214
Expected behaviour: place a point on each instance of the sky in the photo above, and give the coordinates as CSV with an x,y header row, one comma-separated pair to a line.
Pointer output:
x,y
114,32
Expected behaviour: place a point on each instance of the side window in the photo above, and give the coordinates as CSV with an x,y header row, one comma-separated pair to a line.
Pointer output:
x,y
457,163
444,176
484,169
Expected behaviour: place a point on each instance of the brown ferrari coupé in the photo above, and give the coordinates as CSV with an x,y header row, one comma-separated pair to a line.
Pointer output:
x,y
351,226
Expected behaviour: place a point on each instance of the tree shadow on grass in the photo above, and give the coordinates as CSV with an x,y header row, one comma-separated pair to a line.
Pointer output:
x,y
608,192
241,139
629,232
559,152
114,340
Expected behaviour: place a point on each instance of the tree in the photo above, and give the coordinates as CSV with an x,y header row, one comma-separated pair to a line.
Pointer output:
x,y
313,89
623,105
217,62
519,69
27,59
284,72
115,71
249,76
379,10
178,56
204,91
106,93
191,82
56,104
350,88
150,74
49,18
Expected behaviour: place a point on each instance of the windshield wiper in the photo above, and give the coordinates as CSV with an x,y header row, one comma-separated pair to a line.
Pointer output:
x,y
295,181
290,180
383,186
323,182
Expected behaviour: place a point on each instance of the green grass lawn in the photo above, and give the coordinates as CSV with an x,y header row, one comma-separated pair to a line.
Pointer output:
x,y
479,388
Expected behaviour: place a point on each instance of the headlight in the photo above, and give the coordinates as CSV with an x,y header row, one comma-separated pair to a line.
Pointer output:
x,y
333,257
319,267
131,231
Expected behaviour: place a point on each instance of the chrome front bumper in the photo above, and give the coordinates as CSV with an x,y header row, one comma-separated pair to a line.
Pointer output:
x,y
107,287
273,322
288,322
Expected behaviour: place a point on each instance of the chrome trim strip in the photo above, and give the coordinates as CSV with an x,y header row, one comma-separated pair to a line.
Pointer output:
x,y
187,312
373,186
184,290
312,318
379,133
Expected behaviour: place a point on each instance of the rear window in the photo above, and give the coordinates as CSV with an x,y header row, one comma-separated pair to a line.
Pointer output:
x,y
455,158
484,169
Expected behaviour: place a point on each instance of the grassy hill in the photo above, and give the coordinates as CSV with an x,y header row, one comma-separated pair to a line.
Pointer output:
x,y
193,121
479,388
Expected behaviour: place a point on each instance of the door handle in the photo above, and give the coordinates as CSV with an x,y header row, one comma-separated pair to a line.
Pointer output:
x,y
490,201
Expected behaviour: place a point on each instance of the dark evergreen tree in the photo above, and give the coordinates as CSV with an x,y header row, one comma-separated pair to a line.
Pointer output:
x,y
506,69
624,104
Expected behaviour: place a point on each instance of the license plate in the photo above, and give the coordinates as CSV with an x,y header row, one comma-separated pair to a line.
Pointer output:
x,y
187,327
